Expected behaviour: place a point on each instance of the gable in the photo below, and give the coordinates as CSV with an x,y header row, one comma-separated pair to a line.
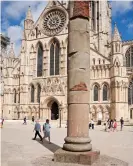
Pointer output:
x,y
52,21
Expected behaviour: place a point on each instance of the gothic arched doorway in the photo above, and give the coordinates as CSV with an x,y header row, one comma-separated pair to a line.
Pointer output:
x,y
54,111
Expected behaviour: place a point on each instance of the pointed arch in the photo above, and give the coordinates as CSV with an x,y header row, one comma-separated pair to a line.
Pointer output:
x,y
129,57
105,92
54,57
15,96
95,92
32,93
117,62
38,92
130,92
39,59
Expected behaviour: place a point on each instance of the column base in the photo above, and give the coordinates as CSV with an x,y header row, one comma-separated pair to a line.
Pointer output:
x,y
86,158
77,144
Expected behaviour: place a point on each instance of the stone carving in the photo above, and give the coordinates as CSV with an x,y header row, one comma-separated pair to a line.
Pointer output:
x,y
54,22
80,87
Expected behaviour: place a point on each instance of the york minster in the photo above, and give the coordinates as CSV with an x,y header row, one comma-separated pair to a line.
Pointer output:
x,y
34,83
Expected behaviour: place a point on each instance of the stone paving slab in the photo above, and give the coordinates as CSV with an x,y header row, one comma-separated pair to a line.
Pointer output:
x,y
103,161
18,147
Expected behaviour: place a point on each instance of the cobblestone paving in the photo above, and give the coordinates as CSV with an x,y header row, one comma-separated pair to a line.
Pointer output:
x,y
18,148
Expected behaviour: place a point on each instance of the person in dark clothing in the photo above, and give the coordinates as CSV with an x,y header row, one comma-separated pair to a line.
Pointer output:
x,y
90,125
33,119
122,123
110,124
25,120
37,130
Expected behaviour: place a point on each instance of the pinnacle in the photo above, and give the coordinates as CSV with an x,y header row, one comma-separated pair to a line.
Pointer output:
x,y
11,52
116,35
29,14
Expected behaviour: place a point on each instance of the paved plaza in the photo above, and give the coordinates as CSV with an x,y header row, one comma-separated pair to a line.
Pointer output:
x,y
18,148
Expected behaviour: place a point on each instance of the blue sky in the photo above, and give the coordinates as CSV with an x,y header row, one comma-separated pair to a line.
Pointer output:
x,y
13,15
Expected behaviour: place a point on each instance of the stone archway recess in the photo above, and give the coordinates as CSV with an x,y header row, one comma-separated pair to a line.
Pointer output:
x,y
51,104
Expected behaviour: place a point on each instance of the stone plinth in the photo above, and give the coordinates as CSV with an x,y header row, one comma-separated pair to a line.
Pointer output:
x,y
86,158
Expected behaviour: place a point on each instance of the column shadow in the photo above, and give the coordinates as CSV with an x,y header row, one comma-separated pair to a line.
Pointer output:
x,y
52,147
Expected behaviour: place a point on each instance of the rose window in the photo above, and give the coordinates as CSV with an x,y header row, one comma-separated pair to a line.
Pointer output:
x,y
53,22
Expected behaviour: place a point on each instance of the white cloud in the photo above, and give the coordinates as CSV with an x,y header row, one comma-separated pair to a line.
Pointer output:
x,y
36,11
130,26
15,33
17,11
121,7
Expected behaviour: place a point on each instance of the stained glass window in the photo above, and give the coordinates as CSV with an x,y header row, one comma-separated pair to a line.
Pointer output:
x,y
39,61
129,57
38,93
32,93
15,94
130,93
54,58
19,97
105,93
95,93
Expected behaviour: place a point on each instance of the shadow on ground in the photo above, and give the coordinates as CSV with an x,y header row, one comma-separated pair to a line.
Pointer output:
x,y
52,147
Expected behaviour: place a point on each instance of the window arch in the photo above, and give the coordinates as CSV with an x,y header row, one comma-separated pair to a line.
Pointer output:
x,y
38,93
130,93
15,95
105,92
95,93
129,57
39,60
54,58
93,61
32,93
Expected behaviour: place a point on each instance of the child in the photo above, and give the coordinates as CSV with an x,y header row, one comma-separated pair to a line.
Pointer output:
x,y
46,129
115,125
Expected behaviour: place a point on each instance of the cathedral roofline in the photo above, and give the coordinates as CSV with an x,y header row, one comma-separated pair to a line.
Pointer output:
x,y
127,42
100,54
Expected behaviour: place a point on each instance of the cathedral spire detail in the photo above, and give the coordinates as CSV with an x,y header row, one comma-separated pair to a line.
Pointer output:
x,y
29,15
11,51
116,35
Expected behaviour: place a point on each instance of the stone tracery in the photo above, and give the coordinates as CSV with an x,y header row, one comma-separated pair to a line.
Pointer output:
x,y
54,22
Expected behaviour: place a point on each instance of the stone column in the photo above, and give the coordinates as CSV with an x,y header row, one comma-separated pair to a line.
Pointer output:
x,y
77,142
78,79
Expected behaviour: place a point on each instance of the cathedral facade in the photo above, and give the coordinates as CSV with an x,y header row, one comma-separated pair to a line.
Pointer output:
x,y
35,82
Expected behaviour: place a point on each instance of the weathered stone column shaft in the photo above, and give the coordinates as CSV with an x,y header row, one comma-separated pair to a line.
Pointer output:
x,y
78,79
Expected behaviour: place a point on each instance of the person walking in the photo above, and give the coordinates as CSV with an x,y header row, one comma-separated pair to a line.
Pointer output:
x,y
122,123
37,130
25,120
106,124
114,125
92,124
33,119
46,129
2,123
110,125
